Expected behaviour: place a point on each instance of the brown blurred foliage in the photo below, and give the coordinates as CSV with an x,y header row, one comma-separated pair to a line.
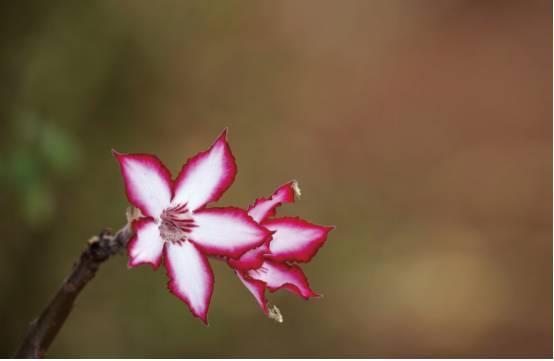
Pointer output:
x,y
421,129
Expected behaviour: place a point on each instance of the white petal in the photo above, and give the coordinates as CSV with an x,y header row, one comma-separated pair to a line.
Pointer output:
x,y
206,176
147,182
146,246
279,275
226,231
295,239
190,277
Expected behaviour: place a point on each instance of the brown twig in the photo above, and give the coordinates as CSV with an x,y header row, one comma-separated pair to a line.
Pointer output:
x,y
44,329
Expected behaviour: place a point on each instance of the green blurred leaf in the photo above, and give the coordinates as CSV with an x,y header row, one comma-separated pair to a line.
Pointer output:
x,y
38,152
37,204
22,169
59,150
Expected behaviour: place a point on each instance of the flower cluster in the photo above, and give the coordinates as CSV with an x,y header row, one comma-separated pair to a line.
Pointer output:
x,y
176,226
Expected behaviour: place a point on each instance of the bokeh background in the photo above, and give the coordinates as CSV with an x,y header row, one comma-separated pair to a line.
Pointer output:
x,y
421,129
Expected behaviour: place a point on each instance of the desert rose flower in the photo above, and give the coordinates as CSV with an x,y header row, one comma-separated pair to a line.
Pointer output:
x,y
270,265
176,225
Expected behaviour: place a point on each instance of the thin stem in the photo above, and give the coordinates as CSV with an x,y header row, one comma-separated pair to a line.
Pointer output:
x,y
44,329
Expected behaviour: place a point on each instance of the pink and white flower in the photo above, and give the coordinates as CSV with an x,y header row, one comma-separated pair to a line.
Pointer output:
x,y
269,266
177,227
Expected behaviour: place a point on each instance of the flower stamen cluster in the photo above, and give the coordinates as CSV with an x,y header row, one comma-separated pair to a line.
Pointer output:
x,y
176,223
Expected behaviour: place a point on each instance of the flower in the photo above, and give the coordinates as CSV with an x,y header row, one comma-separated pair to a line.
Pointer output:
x,y
268,266
176,226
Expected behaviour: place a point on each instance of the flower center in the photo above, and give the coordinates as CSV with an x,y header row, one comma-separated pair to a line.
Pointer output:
x,y
176,223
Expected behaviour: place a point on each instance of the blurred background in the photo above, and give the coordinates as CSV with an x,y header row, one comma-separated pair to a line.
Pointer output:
x,y
421,129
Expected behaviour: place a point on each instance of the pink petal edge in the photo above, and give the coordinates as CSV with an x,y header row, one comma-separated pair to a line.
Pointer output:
x,y
251,259
266,207
257,288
